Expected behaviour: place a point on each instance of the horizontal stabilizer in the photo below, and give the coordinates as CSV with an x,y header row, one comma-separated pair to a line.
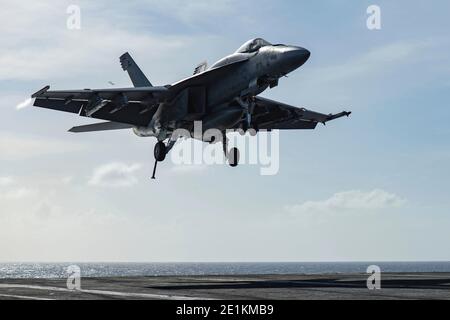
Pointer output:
x,y
101,126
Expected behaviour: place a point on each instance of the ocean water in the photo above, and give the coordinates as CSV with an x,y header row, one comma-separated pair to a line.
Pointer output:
x,y
59,270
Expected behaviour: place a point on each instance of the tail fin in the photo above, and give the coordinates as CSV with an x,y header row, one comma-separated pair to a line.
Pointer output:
x,y
136,75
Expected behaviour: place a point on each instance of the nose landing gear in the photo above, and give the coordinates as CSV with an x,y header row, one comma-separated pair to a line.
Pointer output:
x,y
233,155
248,105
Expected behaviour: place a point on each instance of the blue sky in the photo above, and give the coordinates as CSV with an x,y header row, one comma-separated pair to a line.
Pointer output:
x,y
371,187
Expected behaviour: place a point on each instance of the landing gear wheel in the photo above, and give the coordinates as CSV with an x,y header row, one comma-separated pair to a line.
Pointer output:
x,y
160,151
245,126
254,130
233,157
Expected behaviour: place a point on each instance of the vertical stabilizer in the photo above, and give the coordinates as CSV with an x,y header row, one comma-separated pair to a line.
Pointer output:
x,y
136,75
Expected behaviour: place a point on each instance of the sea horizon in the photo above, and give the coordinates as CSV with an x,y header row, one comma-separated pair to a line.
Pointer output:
x,y
135,269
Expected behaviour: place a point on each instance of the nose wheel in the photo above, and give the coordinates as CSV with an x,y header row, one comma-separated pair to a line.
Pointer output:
x,y
233,155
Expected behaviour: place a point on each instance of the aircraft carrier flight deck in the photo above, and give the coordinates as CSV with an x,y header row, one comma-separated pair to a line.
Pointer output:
x,y
291,287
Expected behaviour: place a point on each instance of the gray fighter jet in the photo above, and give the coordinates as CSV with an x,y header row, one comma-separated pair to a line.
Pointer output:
x,y
223,97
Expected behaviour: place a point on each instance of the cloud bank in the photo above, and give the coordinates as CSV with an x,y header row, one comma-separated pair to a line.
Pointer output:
x,y
115,174
354,200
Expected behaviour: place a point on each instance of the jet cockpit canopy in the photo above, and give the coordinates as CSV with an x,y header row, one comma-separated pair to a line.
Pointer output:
x,y
253,45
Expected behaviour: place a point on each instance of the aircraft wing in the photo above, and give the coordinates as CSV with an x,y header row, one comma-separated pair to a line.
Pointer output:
x,y
134,106
270,114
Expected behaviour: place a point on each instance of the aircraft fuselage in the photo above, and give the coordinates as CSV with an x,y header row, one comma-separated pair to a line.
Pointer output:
x,y
227,99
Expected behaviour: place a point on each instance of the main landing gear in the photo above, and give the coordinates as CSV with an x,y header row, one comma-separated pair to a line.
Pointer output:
x,y
160,152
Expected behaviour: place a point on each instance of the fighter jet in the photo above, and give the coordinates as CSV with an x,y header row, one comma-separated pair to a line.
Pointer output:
x,y
223,96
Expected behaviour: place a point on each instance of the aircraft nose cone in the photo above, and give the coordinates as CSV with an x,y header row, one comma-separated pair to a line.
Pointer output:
x,y
295,57
306,54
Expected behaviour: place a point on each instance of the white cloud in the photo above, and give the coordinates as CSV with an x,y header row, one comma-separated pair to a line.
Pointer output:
x,y
62,53
11,190
17,193
24,104
15,147
349,201
97,49
115,174
67,179
6,181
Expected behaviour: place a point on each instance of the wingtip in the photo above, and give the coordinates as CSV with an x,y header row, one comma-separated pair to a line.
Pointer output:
x,y
73,130
40,92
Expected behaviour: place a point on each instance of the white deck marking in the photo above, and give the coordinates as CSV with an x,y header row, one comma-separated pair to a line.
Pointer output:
x,y
103,292
23,297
